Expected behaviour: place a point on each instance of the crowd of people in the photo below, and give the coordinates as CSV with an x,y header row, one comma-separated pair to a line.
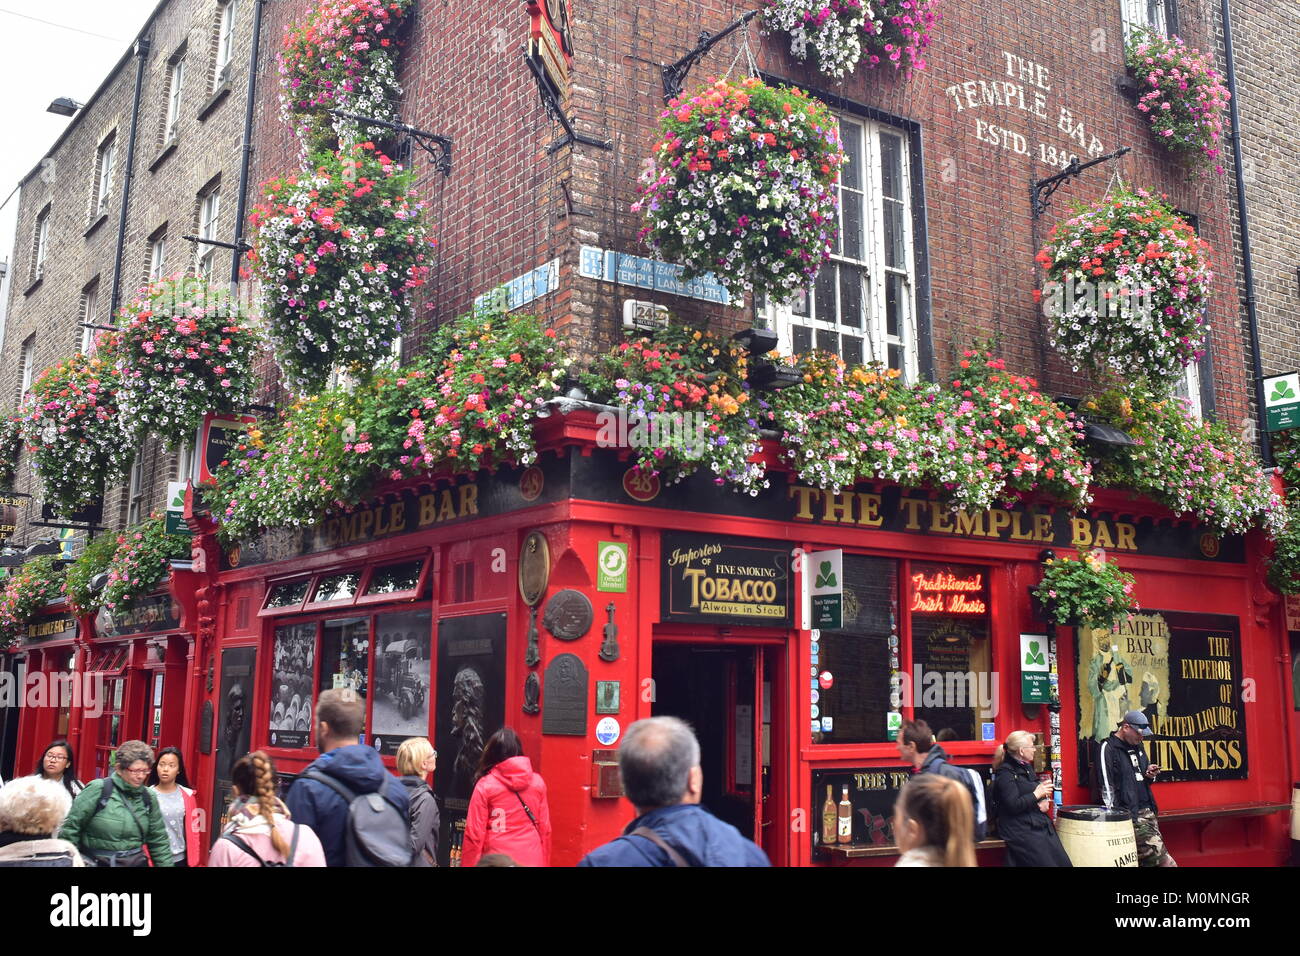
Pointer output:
x,y
346,809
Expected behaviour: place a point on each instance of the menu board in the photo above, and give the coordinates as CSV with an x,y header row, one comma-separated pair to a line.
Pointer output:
x,y
710,578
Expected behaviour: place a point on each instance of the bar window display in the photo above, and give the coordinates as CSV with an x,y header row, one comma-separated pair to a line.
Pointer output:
x,y
951,681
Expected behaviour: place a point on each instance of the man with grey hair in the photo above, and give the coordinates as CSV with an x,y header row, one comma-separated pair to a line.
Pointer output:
x,y
659,761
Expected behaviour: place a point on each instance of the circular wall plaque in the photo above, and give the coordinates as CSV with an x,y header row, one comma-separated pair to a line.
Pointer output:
x,y
568,615
534,567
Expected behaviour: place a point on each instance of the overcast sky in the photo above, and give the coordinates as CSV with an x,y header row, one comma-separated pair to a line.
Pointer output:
x,y
49,49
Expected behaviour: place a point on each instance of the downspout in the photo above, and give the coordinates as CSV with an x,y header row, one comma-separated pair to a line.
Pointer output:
x,y
141,55
246,148
1243,227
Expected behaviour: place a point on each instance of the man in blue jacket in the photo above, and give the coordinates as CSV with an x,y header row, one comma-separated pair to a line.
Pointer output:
x,y
340,716
659,762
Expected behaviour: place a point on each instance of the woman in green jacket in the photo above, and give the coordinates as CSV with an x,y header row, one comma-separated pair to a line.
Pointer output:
x,y
115,831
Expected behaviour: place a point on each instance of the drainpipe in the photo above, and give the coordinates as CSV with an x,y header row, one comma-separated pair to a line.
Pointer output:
x,y
1243,226
141,56
247,148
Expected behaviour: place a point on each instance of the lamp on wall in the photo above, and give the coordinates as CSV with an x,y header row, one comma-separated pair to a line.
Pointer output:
x,y
765,374
64,106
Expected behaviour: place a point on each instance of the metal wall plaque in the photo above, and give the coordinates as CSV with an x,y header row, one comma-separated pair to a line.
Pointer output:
x,y
532,691
609,649
534,567
206,719
566,697
568,615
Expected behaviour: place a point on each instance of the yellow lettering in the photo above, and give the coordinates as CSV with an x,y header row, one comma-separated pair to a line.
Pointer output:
x,y
913,505
693,575
381,528
1081,532
428,509
869,510
1043,527
397,517
1018,533
999,521
332,535
1126,539
939,520
446,508
837,508
1103,539
971,523
365,523
805,496
468,500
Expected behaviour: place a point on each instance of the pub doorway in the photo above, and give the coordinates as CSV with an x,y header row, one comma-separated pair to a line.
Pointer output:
x,y
725,693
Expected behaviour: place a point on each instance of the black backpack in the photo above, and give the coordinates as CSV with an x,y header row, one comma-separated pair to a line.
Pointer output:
x,y
288,861
378,832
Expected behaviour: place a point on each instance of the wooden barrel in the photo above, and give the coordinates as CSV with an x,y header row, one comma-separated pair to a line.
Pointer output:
x,y
1095,836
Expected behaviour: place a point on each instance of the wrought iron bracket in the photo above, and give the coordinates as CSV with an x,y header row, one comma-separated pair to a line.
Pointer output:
x,y
240,247
675,73
555,111
438,147
1041,190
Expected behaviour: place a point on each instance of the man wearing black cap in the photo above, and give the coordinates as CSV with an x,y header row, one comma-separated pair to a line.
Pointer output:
x,y
1126,778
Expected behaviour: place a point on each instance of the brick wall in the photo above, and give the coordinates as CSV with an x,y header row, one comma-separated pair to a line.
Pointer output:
x,y
164,196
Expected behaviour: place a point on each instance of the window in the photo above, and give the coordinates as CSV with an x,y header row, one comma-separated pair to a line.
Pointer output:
x,y
915,644
1158,16
209,213
157,255
225,42
135,489
105,161
40,243
175,89
862,303
185,463
89,315
27,366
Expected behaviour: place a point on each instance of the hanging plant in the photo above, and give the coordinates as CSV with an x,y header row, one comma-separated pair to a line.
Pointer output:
x,y
25,594
338,253
1127,285
742,186
11,443
1182,96
1191,466
1085,592
92,562
899,32
185,348
471,408
141,561
71,424
343,57
830,32
1284,562
684,406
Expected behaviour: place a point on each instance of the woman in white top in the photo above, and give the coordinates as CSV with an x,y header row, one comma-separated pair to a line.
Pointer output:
x,y
179,808
59,764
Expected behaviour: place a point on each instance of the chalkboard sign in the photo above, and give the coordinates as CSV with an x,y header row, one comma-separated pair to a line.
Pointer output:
x,y
872,794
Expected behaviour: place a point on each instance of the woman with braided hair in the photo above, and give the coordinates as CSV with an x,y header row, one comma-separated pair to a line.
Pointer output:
x,y
259,831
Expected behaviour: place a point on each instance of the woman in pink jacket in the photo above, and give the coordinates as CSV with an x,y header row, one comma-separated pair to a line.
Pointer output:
x,y
259,831
508,812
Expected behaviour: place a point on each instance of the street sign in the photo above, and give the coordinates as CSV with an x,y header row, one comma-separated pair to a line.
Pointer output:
x,y
1282,402
175,523
1035,687
611,566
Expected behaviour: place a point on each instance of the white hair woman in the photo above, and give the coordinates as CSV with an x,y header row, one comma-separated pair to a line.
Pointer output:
x,y
31,810
1020,805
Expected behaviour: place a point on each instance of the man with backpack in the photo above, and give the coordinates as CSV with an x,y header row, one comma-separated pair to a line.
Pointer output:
x,y
359,810
917,746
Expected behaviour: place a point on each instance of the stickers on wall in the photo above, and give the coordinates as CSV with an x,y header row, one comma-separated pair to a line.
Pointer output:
x,y
812,671
816,659
825,679
893,724
817,726
816,711
814,648
607,731
816,696
987,732
828,724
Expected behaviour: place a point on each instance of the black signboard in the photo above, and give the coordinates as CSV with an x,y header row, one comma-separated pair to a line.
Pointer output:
x,y
234,727
564,707
92,514
146,615
1183,671
709,578
43,629
872,793
471,707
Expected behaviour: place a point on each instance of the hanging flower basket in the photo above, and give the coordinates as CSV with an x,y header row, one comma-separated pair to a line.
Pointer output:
x,y
185,348
90,563
684,406
1182,96
742,186
141,561
1127,283
72,425
11,443
899,32
1085,592
1191,466
25,593
829,32
343,57
338,253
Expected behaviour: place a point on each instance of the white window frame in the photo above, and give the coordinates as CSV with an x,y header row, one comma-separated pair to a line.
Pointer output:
x,y
157,257
185,462
42,243
209,218
89,314
876,338
175,91
105,163
225,42
135,488
28,364
1150,15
